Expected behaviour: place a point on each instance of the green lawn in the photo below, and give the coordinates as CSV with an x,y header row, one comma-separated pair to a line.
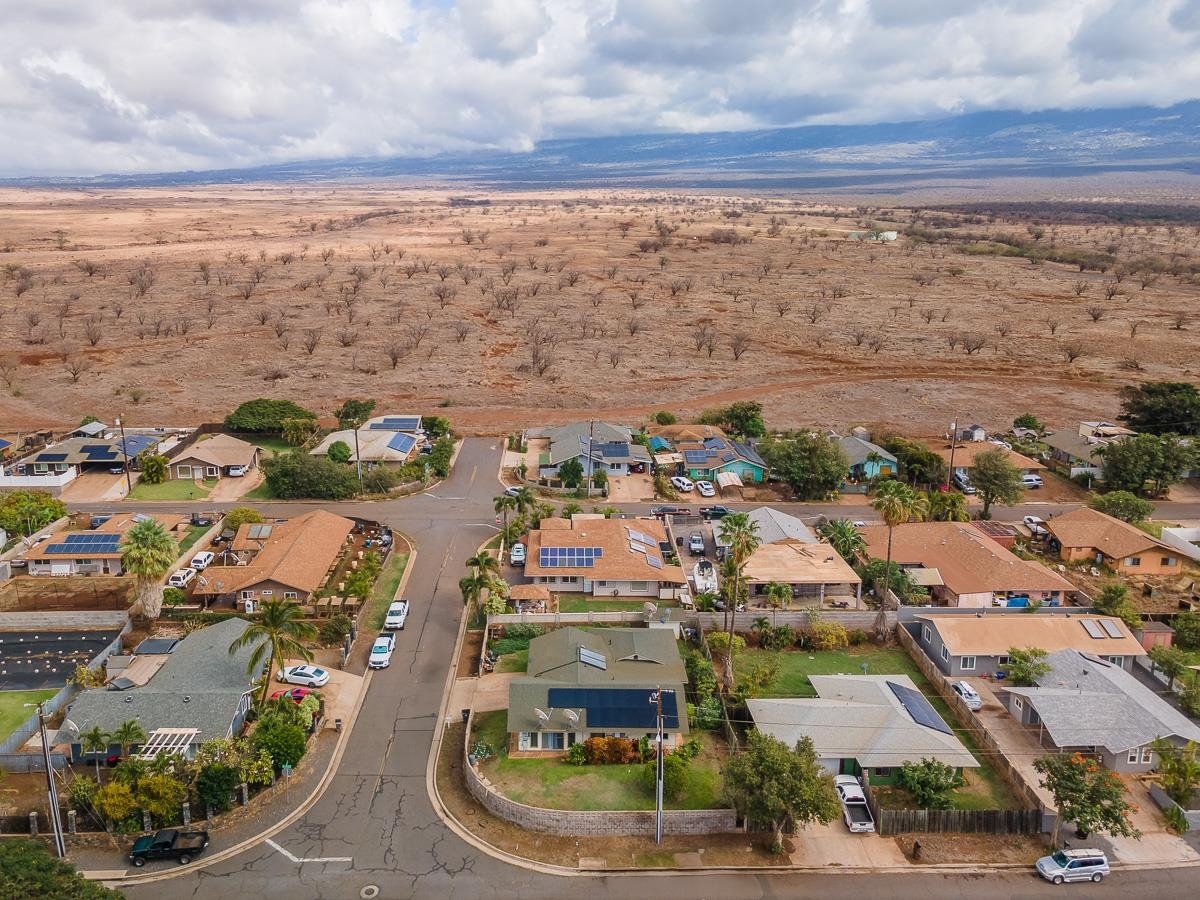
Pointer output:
x,y
796,665
13,711
175,489
272,445
580,603
385,589
193,535
555,784
513,662
262,492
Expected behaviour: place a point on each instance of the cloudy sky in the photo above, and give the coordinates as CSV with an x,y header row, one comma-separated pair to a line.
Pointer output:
x,y
155,85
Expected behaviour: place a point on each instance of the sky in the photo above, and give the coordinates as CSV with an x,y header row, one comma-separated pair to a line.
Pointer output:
x,y
124,86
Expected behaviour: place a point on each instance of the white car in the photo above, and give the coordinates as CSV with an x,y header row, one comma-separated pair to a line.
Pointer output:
x,y
512,491
517,554
181,578
706,489
237,471
682,484
969,695
1031,481
309,676
202,560
381,651
396,615
1036,525
696,544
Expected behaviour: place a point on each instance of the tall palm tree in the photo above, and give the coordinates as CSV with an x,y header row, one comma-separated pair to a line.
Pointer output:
x,y
94,740
525,500
128,733
484,563
472,586
844,538
276,634
741,536
502,505
896,502
947,506
779,595
148,553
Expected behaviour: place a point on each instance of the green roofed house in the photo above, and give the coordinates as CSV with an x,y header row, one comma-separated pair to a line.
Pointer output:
x,y
864,725
582,684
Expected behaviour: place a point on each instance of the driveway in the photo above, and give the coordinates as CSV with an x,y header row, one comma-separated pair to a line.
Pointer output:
x,y
1157,845
833,845
94,487
630,489
341,693
1019,744
228,488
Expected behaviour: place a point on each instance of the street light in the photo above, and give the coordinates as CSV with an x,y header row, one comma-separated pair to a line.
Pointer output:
x,y
51,791
656,701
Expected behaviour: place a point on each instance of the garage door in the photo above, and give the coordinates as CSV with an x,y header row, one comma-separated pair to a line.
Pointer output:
x,y
60,568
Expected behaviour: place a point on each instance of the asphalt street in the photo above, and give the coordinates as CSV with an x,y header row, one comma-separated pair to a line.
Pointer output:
x,y
377,812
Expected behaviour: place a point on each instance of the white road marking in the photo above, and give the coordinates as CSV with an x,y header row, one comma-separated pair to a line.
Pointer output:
x,y
436,497
310,859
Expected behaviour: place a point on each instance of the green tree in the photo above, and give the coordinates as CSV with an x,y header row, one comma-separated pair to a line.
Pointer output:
x,y
484,562
440,456
1113,600
1189,696
813,466
148,552
339,452
215,785
918,463
1026,665
472,587
844,538
503,504
896,503
996,479
772,784
662,417
742,419
1123,505
740,534
298,475
153,467
600,479
116,802
1180,769
284,743
353,413
276,633
28,870
265,416
1161,407
94,740
779,595
241,515
947,506
436,427
1086,794
299,432
1187,629
27,512
1154,460
930,782
1030,422
571,472
1171,661
875,571
676,771
128,734
162,796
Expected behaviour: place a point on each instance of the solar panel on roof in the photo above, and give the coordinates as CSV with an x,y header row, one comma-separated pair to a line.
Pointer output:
x,y
640,536
402,443
1111,627
694,456
636,547
714,443
50,457
1093,630
259,532
618,707
919,708
104,455
728,457
569,557
654,561
397,423
592,658
95,448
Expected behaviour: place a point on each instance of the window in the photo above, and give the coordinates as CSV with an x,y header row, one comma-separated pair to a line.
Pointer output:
x,y
883,772
1147,755
247,595
1018,703
268,593
945,654
569,579
1133,755
601,583
926,634
1133,561
635,586
290,595
1002,660
1115,660
967,664
211,472
553,740
1168,561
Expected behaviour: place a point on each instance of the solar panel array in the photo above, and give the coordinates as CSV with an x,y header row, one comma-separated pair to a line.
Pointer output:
x,y
397,423
99,452
402,443
50,457
919,708
85,543
695,457
641,537
569,557
618,707
1093,630
1111,627
592,658
655,562
258,532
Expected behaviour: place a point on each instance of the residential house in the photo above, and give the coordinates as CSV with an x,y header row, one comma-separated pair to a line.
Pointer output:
x,y
607,682
974,570
685,431
867,461
90,430
212,457
602,557
54,466
94,552
1089,705
1185,540
964,455
713,457
614,454
199,692
382,441
291,560
864,725
972,433
1086,535
789,553
979,645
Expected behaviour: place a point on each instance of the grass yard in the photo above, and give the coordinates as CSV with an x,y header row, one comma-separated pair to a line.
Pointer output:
x,y
796,665
982,789
385,589
261,493
193,534
175,489
13,711
272,446
555,784
513,662
581,603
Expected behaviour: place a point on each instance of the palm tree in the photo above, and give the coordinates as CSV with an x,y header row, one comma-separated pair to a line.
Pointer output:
x,y
525,500
760,626
502,505
94,740
844,538
779,595
472,586
276,634
741,536
896,502
148,553
484,563
873,459
947,506
128,733
571,509
540,510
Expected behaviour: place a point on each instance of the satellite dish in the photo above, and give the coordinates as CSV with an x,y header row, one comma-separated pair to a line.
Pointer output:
x,y
649,608
69,728
542,715
572,716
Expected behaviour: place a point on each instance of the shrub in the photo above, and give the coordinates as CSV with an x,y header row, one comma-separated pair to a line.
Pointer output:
x,y
701,676
1176,821
930,782
297,475
690,749
527,632
610,751
265,415
241,515
829,636
215,785
115,802
665,418
284,743
173,596
482,750
334,630
708,714
858,637
675,775
81,795
577,755
88,678
718,642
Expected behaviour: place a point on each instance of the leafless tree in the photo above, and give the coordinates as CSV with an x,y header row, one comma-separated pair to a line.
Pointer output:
x,y
633,325
702,334
541,359
615,355
311,340
284,340
410,269
93,329
1112,289
347,337
1072,350
462,330
1134,325
1053,324
246,291
877,343
1080,288
76,366
1096,312
444,294
973,343
596,298
783,306
1003,328
739,343
184,324
395,351
444,272
927,315
858,335
416,333
924,279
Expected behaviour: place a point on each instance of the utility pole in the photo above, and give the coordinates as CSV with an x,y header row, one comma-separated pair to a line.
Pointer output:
x,y
357,457
591,464
953,446
656,699
125,457
51,791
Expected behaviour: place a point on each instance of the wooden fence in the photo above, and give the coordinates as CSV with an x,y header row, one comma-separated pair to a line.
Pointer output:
x,y
952,821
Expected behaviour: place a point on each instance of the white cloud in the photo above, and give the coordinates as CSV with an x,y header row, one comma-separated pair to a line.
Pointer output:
x,y
138,85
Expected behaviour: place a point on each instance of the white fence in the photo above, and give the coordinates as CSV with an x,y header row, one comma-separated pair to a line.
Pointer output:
x,y
37,482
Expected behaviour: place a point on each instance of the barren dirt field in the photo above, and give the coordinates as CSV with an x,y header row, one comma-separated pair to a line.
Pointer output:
x,y
171,306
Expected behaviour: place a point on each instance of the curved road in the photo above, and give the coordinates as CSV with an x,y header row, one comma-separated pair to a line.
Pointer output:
x,y
376,809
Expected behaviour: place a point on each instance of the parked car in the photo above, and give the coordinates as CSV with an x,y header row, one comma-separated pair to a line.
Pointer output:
x,y
381,651
684,485
696,544
296,695
397,615
1031,481
182,578
312,676
1036,525
512,491
715,512
204,519
517,554
1074,865
116,470
706,489
963,482
859,523
169,843
661,512
202,560
19,563
854,804
237,471
969,695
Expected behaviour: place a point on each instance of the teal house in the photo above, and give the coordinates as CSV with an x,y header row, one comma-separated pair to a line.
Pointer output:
x,y
867,461
705,460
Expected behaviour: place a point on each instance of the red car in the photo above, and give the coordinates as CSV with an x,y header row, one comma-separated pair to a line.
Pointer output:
x,y
295,694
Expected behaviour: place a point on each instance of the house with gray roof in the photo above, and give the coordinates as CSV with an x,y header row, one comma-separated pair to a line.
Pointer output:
x,y
598,446
774,525
864,725
606,682
199,693
867,461
1087,704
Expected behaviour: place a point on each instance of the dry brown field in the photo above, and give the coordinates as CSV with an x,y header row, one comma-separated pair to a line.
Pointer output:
x,y
171,306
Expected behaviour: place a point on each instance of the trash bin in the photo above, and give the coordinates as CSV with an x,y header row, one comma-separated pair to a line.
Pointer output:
x,y
466,714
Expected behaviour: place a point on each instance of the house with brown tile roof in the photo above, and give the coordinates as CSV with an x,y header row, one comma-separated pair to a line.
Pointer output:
x,y
603,557
965,453
94,552
1086,535
289,560
975,570
212,457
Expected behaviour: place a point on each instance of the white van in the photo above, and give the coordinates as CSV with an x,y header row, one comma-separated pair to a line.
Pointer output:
x,y
182,578
202,560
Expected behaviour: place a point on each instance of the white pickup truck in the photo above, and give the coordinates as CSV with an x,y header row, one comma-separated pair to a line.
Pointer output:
x,y
854,804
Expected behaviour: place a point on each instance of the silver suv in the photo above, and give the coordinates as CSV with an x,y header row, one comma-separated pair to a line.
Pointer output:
x,y
1073,865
